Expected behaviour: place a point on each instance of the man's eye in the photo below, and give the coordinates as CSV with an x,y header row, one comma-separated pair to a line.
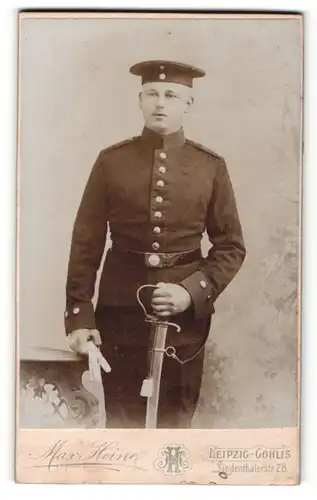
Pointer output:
x,y
171,96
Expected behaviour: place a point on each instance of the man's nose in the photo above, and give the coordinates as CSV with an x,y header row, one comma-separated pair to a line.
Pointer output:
x,y
160,102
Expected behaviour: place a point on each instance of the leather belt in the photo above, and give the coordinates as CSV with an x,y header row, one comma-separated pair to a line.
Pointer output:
x,y
157,259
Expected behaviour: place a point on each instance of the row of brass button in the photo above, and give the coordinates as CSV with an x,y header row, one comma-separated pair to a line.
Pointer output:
x,y
158,214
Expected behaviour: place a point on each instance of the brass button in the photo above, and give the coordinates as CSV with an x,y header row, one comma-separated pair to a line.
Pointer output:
x,y
155,245
66,314
158,214
203,284
156,230
162,76
160,184
76,310
159,199
162,169
163,155
154,260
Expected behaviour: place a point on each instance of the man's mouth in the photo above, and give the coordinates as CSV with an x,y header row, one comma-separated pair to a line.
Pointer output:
x,y
159,114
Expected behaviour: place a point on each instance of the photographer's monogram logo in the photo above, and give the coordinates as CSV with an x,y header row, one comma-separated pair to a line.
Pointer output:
x,y
173,459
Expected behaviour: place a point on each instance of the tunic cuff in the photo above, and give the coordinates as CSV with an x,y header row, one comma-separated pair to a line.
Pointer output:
x,y
200,290
79,315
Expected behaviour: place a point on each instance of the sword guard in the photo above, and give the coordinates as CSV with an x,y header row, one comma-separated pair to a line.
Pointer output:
x,y
148,317
151,318
158,321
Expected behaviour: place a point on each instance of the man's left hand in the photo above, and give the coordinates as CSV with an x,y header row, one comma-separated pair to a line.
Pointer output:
x,y
169,299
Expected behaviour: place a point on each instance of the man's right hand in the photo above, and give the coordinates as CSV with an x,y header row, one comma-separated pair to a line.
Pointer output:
x,y
78,339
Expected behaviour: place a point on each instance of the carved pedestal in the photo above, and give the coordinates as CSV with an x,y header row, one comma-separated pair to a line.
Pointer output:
x,y
56,392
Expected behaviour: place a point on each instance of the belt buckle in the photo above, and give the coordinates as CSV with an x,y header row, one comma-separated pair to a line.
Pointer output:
x,y
154,260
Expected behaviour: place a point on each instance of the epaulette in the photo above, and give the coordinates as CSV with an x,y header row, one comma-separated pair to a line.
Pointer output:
x,y
120,144
203,148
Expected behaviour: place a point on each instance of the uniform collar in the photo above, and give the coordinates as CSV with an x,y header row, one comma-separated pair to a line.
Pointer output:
x,y
157,141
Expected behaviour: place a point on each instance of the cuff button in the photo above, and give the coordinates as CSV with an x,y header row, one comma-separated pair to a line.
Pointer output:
x,y
76,310
203,284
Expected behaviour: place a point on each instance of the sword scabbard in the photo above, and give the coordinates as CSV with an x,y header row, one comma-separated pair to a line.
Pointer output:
x,y
151,384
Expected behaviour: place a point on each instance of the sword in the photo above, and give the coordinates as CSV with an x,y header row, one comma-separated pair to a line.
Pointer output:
x,y
151,384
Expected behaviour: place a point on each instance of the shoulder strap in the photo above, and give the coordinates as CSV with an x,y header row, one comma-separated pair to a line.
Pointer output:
x,y
203,148
121,143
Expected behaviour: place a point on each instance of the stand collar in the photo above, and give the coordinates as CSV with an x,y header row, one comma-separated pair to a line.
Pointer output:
x,y
158,141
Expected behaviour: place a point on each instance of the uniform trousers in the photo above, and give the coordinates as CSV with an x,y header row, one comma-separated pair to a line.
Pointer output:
x,y
125,342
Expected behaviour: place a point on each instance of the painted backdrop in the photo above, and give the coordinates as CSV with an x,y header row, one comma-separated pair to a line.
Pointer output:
x,y
78,97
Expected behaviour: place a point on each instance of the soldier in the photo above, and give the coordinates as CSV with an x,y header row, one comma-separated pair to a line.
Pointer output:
x,y
158,192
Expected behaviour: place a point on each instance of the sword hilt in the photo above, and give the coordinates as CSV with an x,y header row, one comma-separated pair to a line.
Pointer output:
x,y
148,317
152,318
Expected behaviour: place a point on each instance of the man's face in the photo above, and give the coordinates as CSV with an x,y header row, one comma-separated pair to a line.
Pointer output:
x,y
164,104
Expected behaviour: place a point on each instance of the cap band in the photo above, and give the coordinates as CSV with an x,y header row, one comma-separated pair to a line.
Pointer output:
x,y
166,71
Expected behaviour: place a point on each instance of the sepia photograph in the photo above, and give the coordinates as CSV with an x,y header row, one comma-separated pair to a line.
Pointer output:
x,y
158,247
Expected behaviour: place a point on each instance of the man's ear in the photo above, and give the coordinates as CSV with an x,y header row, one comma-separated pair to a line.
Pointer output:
x,y
189,102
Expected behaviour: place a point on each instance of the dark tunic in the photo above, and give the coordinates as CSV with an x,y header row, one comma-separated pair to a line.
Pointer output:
x,y
156,194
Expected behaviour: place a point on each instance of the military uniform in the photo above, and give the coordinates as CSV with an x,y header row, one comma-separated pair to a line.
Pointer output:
x,y
157,194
